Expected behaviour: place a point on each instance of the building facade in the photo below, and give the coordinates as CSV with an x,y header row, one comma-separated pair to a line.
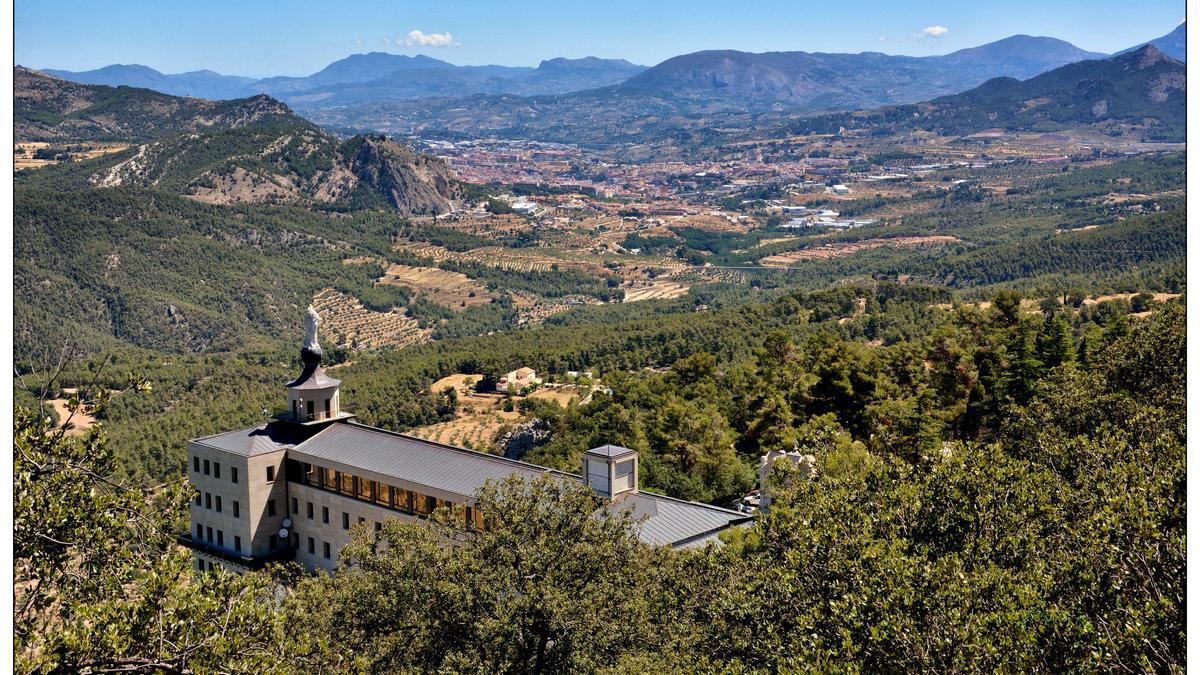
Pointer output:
x,y
292,488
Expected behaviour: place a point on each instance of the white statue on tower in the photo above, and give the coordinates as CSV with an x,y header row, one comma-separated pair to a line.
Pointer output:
x,y
311,320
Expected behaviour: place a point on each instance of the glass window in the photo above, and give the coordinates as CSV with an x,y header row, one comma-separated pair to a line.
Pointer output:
x,y
206,467
311,411
330,481
378,527
216,469
345,520
310,510
199,498
220,537
237,544
422,504
361,520
325,514
345,484
325,545
364,489
295,506
270,474
218,503
196,464
383,494
311,475
312,545
237,509
208,531
270,507
327,407
233,473
199,532
199,564
208,500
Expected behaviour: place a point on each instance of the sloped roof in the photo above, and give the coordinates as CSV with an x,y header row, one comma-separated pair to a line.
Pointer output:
x,y
611,451
667,521
313,378
253,441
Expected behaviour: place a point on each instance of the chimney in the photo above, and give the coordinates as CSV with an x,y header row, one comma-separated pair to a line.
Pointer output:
x,y
611,470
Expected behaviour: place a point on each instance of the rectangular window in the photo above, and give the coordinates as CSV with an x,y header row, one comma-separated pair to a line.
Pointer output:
x,y
196,464
198,498
326,407
325,514
220,537
345,484
295,506
309,510
216,469
210,566
233,473
270,474
311,476
237,509
378,527
325,546
345,520
199,564
199,532
383,494
206,467
237,544
270,507
422,504
208,531
273,542
330,481
364,489
208,500
361,520
311,412
312,545
402,500
218,503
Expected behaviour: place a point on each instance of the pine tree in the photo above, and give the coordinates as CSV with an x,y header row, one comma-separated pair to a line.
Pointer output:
x,y
1055,345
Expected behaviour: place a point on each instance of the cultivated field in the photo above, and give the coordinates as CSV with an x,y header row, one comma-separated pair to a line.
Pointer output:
x,y
451,289
349,324
23,152
655,290
840,250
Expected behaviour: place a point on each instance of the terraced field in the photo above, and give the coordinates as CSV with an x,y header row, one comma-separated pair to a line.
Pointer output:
x,y
451,289
348,324
502,258
655,290
839,250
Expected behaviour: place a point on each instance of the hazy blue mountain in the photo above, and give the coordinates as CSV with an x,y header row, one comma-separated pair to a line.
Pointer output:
x,y
1142,93
821,80
1173,44
198,84
352,69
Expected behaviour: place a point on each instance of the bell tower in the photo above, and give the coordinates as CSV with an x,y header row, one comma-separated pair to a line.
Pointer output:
x,y
314,396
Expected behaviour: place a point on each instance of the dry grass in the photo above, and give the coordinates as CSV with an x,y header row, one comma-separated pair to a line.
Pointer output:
x,y
840,250
655,290
451,289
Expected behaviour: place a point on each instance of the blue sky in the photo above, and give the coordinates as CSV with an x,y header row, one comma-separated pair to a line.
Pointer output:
x,y
298,37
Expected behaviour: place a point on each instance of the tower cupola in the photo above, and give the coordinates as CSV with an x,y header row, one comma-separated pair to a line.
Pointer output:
x,y
611,470
314,396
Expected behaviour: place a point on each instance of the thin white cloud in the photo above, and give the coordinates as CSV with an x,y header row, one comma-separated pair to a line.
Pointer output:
x,y
882,38
934,31
416,38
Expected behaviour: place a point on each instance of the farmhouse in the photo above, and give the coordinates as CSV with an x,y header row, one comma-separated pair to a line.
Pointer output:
x,y
292,488
518,379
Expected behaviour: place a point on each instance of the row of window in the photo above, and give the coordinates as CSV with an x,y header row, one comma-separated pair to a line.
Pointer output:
x,y
214,469
202,531
310,411
379,494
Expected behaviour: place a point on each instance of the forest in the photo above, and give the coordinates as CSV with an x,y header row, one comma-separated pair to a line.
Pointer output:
x,y
998,489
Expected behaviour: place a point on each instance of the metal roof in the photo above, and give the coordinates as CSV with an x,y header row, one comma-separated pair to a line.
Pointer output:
x,y
611,451
258,440
414,460
664,521
313,378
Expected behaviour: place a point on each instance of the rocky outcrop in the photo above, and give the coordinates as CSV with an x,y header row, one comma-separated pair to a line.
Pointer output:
x,y
525,437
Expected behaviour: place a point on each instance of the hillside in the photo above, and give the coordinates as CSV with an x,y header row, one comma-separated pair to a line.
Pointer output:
x,y
50,109
820,80
1143,92
1173,44
246,151
199,83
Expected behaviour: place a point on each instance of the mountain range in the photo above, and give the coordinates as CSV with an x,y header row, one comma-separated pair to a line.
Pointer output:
x,y
813,81
1173,44
251,150
1143,90
374,76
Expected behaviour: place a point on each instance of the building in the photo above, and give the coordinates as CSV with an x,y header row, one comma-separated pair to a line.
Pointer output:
x,y
293,487
518,379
